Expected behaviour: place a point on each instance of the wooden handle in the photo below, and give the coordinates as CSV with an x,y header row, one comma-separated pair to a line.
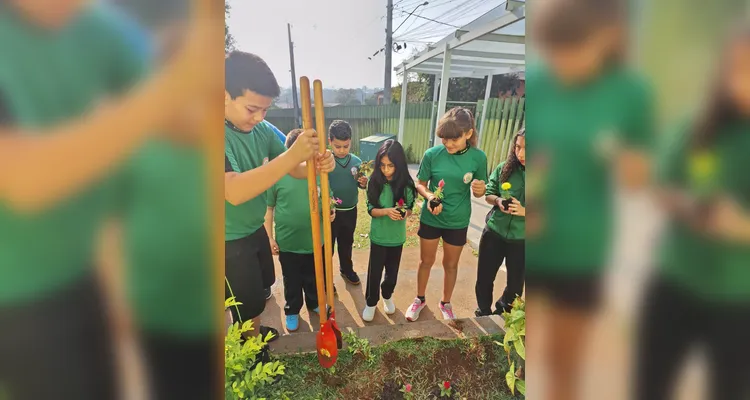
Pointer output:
x,y
320,120
312,195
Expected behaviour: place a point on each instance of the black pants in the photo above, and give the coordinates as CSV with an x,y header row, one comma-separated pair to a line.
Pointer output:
x,y
673,323
381,257
342,230
493,249
58,347
299,281
181,368
249,269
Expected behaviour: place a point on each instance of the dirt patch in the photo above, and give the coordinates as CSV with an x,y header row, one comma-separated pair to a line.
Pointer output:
x,y
391,391
458,325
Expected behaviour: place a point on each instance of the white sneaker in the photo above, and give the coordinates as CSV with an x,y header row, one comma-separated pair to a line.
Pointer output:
x,y
412,314
368,314
447,310
389,306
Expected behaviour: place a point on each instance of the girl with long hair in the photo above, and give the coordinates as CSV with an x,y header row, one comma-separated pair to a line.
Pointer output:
x,y
390,198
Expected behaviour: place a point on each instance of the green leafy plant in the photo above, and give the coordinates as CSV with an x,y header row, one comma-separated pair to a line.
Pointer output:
x,y
406,390
445,389
356,345
244,373
514,342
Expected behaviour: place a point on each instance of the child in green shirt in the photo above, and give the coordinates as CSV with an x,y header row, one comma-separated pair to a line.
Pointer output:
x,y
448,175
345,185
289,208
254,160
390,198
503,237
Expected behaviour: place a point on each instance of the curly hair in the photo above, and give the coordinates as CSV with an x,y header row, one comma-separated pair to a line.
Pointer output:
x,y
512,163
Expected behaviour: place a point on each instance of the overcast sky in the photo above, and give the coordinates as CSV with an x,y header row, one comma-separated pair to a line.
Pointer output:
x,y
334,38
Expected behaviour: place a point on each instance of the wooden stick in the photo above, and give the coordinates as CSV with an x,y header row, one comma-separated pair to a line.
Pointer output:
x,y
320,120
312,194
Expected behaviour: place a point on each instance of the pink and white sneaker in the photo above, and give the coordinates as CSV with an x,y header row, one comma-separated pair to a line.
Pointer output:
x,y
412,314
447,310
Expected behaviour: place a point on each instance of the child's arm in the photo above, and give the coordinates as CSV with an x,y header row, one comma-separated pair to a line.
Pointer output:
x,y
423,190
325,164
268,223
41,167
493,188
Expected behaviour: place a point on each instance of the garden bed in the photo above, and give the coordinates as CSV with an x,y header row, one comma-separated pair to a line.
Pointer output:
x,y
475,368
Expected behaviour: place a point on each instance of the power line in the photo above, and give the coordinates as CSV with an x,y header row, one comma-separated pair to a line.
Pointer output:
x,y
410,14
439,22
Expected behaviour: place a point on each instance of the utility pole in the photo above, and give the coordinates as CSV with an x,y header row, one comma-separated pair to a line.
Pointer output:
x,y
297,121
388,54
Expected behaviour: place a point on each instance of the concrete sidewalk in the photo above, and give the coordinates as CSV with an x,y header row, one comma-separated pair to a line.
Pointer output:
x,y
479,210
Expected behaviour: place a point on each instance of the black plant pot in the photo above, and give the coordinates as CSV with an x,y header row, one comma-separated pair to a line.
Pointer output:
x,y
402,212
506,203
435,202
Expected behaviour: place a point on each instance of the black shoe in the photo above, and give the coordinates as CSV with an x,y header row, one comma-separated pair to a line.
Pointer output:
x,y
351,277
501,307
268,292
479,313
264,330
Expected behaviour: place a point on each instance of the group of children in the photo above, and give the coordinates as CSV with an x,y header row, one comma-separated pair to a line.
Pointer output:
x,y
270,214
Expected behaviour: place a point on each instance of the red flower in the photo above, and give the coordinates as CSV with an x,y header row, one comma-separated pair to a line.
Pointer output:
x,y
441,183
401,202
446,385
407,388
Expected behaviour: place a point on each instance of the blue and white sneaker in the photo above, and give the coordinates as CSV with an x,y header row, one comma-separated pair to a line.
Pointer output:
x,y
292,322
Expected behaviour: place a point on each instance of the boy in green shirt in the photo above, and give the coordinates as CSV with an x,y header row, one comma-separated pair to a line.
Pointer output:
x,y
65,69
254,160
289,208
345,185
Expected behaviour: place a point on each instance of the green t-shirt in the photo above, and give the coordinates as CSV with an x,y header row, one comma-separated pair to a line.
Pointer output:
x,y
709,267
244,151
383,230
512,227
458,171
291,215
166,222
47,78
576,130
343,181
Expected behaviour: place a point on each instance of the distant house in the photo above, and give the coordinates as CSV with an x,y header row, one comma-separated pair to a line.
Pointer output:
x,y
380,96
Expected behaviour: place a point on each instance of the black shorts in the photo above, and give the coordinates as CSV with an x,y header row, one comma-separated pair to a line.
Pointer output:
x,y
581,293
248,269
58,346
181,368
454,237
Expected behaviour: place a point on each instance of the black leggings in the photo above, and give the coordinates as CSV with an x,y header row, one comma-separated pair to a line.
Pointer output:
x,y
493,249
58,347
673,323
381,257
342,229
299,281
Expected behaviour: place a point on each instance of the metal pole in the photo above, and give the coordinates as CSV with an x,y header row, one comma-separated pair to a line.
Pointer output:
x,y
404,98
445,80
485,108
297,121
388,54
433,117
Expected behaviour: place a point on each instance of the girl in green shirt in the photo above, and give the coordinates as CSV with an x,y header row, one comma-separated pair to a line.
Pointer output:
x,y
503,238
592,119
701,294
390,198
448,175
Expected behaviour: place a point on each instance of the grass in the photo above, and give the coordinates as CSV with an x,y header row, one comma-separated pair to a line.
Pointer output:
x,y
476,368
362,232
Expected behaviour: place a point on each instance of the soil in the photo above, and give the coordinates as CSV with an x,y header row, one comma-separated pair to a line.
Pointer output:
x,y
506,203
435,202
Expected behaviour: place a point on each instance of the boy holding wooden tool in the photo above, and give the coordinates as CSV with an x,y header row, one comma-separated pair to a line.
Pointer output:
x,y
255,159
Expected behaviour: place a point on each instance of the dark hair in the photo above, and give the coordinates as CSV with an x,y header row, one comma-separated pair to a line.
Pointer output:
x,y
512,163
292,136
245,71
401,181
340,130
564,23
720,110
456,122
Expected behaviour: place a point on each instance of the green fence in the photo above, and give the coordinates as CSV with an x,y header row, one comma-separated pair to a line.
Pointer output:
x,y
505,115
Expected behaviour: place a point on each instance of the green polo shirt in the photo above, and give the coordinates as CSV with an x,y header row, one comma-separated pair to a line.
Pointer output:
x,y
458,171
293,227
167,239
343,181
708,267
511,227
383,230
48,78
573,126
244,151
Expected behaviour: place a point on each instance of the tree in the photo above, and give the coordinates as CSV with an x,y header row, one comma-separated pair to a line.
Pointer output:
x,y
347,97
471,89
228,38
